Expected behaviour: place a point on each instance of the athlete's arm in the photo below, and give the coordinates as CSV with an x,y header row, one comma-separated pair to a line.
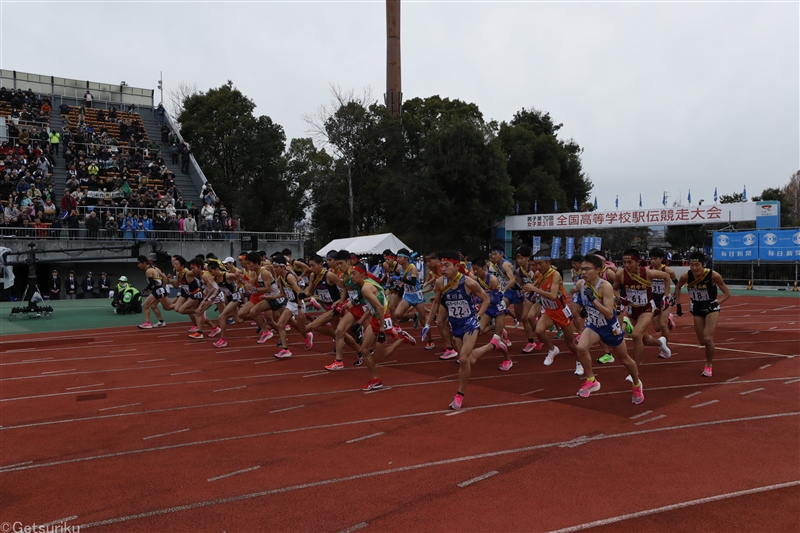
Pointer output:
x,y
369,292
555,286
681,283
213,288
292,280
437,298
660,274
606,307
473,287
717,280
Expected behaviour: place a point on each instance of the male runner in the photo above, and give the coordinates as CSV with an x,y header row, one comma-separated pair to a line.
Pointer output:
x,y
157,293
662,320
291,312
703,285
440,314
497,307
265,296
412,291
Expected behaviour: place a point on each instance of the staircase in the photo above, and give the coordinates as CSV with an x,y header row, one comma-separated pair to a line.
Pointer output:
x,y
59,168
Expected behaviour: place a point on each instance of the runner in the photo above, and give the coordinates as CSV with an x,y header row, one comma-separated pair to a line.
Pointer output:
x,y
350,297
440,314
210,291
291,312
703,285
191,282
227,278
512,295
662,320
597,298
413,300
265,296
455,290
157,293
497,308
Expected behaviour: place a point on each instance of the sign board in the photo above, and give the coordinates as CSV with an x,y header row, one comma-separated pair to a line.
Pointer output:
x,y
779,245
766,245
735,246
768,215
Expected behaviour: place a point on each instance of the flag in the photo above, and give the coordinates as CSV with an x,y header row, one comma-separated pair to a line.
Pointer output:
x,y
536,206
575,204
664,200
556,247
595,203
690,197
518,208
569,249
598,243
555,206
744,193
715,195
617,202
537,244
640,199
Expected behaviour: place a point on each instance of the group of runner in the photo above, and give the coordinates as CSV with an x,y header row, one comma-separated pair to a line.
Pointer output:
x,y
341,297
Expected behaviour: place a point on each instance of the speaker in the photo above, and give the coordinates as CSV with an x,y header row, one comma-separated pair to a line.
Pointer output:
x,y
249,243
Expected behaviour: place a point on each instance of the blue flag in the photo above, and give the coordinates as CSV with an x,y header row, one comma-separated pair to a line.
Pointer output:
x,y
575,204
570,247
595,203
617,202
664,200
537,244
555,249
555,206
518,208
715,195
690,197
744,193
640,199
536,206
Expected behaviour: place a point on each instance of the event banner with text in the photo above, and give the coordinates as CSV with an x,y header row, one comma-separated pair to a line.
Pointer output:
x,y
765,245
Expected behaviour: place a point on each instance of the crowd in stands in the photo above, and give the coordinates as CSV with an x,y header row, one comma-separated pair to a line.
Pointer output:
x,y
118,185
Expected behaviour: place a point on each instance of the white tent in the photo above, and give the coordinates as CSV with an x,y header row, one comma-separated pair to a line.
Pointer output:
x,y
367,244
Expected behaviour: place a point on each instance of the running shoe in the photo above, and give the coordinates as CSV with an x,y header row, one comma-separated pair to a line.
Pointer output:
x,y
309,340
498,344
531,346
372,385
663,351
506,364
506,340
196,335
160,324
359,360
638,394
230,321
267,335
516,323
315,304
258,330
336,365
588,388
578,369
416,321
192,329
455,405
221,343
628,325
287,327
449,354
629,379
559,334
551,355
707,372
283,354
430,345
605,359
214,332
670,322
146,325
406,336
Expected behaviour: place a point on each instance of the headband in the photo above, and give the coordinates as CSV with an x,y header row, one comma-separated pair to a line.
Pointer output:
x,y
542,258
630,257
360,268
454,260
402,255
498,249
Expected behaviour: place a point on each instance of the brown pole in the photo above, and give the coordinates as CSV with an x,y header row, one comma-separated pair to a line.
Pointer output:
x,y
394,93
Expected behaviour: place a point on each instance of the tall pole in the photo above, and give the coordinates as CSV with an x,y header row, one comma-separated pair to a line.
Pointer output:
x,y
394,95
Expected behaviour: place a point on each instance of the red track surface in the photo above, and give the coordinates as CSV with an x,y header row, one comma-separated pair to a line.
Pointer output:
x,y
132,431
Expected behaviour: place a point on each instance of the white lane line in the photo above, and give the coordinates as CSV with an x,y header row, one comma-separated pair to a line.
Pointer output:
x,y
763,367
749,391
57,371
86,386
121,351
36,360
176,334
731,339
754,332
22,350
231,388
45,527
119,406
479,478
659,417
791,381
286,409
774,327
229,350
693,394
704,404
356,527
223,476
531,392
643,413
449,376
151,360
16,464
457,412
165,434
673,507
351,441
101,342
187,372
732,379
265,361
315,374
782,308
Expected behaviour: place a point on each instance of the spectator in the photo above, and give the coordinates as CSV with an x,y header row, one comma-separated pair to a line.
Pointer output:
x,y
216,227
101,117
104,285
41,228
55,141
88,286
92,225
12,214
112,229
190,227
63,109
49,210
73,223
55,228
71,286
185,155
112,114
147,224
88,99
54,290
140,234
175,152
207,213
160,111
228,225
46,108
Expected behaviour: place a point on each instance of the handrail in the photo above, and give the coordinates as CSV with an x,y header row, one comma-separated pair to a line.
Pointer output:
x,y
83,210
50,233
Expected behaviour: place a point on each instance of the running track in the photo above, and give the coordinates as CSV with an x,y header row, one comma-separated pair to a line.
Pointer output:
x,y
121,430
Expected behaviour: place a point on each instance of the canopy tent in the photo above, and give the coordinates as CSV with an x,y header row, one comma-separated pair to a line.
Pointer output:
x,y
367,244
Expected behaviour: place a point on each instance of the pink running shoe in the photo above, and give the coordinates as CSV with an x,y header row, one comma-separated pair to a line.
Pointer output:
x,y
531,346
309,340
455,405
670,323
146,325
506,340
498,344
506,364
267,335
214,332
192,329
287,327
336,365
707,372
205,319
315,304
283,354
588,388
407,337
638,394
221,343
448,354
372,385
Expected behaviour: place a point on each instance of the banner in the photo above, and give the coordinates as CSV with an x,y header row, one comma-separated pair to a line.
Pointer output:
x,y
569,247
537,244
587,244
732,246
598,243
104,194
779,245
556,248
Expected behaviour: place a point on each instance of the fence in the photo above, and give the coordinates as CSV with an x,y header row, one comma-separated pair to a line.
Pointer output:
x,y
759,273
83,234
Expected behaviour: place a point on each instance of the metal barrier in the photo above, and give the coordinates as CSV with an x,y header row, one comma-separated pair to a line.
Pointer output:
x,y
778,275
123,211
83,234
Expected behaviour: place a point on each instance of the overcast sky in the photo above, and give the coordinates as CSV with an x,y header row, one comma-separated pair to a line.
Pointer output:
x,y
663,96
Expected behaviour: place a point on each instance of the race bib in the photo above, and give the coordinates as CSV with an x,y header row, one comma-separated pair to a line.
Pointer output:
x,y
699,295
325,295
458,309
387,323
353,296
638,298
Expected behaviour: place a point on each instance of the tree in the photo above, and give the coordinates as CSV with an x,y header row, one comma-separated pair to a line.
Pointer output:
x,y
787,205
731,198
242,156
177,97
791,192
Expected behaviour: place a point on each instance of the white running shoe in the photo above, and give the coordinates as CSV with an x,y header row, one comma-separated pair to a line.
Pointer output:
x,y
663,351
629,379
578,369
551,355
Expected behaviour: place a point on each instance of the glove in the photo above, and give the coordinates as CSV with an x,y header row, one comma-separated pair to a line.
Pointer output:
x,y
381,337
302,296
671,300
665,303
337,309
713,306
583,313
624,302
425,331
588,293
679,311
